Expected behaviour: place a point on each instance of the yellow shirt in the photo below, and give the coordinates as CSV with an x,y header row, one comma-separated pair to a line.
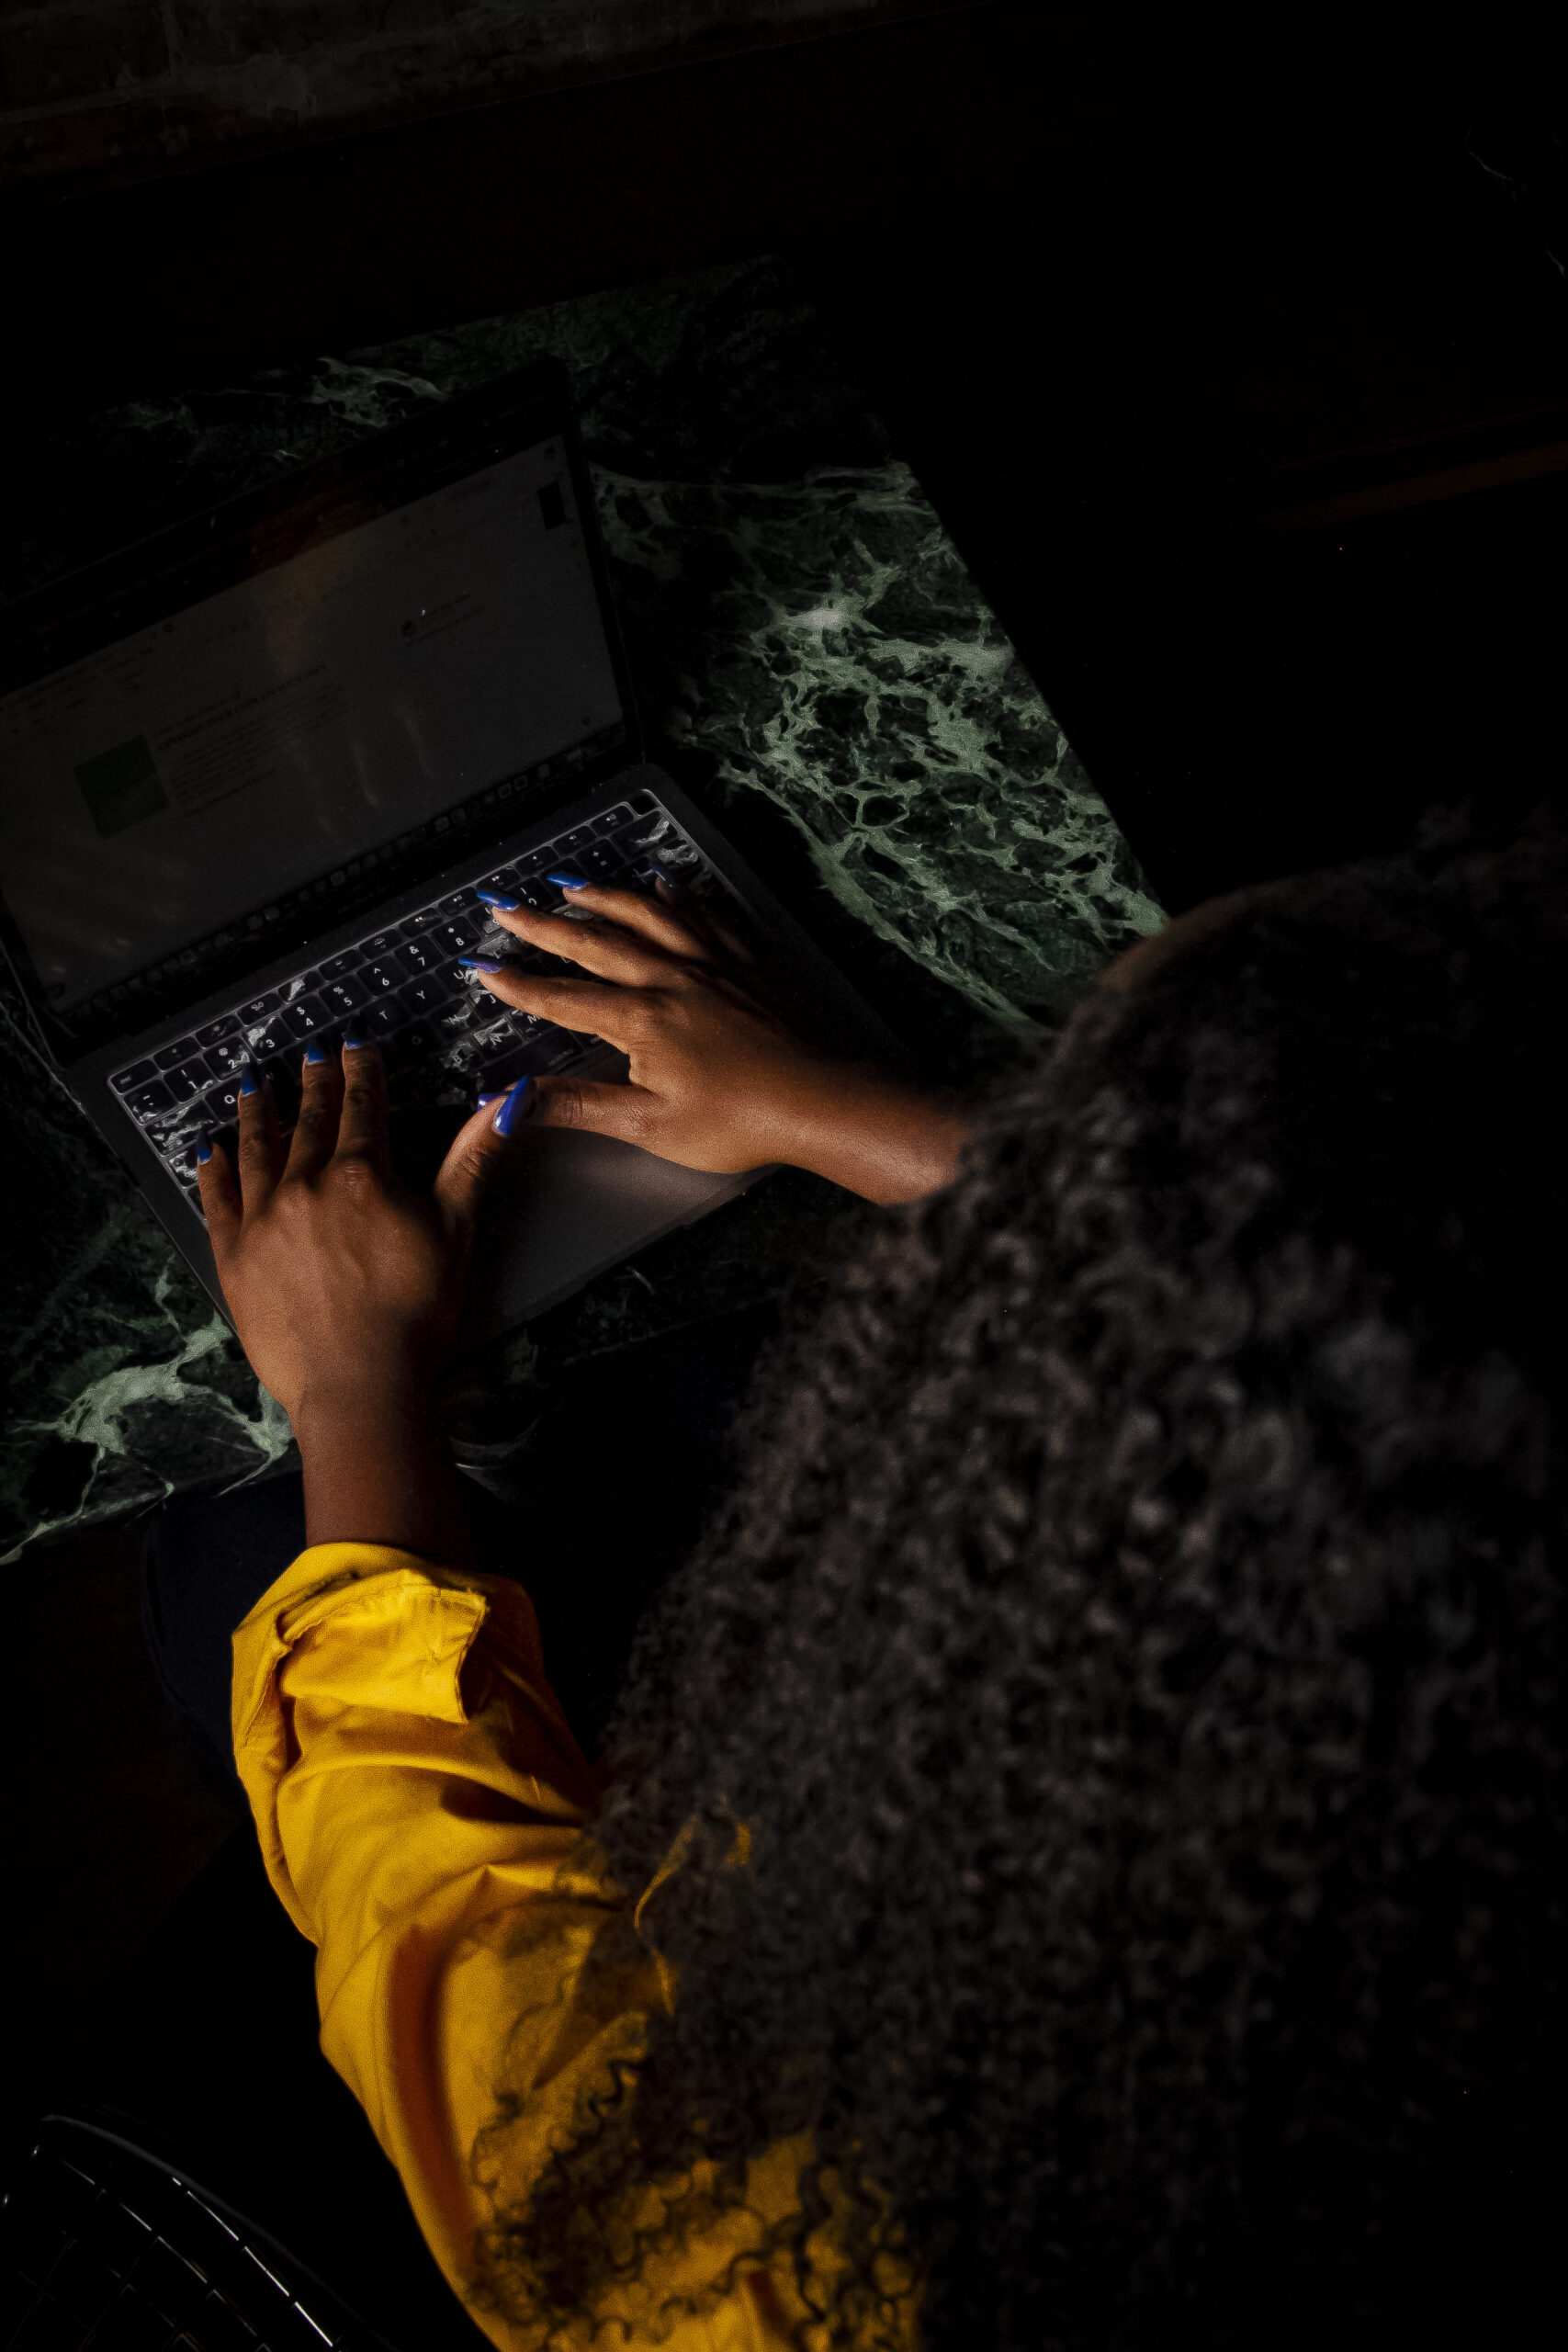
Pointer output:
x,y
421,1805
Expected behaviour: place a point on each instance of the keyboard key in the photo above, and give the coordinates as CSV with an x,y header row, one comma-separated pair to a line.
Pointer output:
x,y
383,979
232,1052
306,1019
424,998
537,860
216,1031
191,1079
387,1015
457,933
612,819
565,842
458,904
542,897
426,919
137,1075
502,879
380,944
506,1068
415,1044
601,861
148,1101
420,955
223,1104
268,1038
260,1006
167,1056
345,994
336,966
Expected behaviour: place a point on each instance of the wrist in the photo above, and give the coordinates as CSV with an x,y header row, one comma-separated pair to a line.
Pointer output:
x,y
872,1133
394,1398
378,1469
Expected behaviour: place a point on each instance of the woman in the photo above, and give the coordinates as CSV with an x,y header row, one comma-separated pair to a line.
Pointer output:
x,y
1079,1861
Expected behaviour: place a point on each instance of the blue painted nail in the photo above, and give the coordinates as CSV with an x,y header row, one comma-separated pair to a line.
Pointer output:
x,y
203,1149
486,1100
355,1034
514,1108
569,881
249,1082
478,963
494,898
315,1051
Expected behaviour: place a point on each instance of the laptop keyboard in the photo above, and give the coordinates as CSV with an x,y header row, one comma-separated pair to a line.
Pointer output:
x,y
446,1037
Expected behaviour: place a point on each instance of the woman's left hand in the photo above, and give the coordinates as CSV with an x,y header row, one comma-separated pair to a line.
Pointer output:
x,y
345,1291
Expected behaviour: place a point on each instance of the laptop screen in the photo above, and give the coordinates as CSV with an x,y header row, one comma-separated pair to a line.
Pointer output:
x,y
173,786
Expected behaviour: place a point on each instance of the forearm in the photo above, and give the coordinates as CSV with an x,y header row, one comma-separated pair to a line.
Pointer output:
x,y
378,1470
874,1134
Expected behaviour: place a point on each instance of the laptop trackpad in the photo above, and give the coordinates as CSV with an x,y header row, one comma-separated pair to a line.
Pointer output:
x,y
568,1205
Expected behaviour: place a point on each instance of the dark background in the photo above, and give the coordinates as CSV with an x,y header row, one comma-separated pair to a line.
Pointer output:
x,y
1237,370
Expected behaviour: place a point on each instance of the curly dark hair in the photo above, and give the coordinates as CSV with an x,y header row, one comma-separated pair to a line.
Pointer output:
x,y
1134,1649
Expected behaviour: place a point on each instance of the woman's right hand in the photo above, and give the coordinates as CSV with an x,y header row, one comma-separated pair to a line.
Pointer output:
x,y
717,1081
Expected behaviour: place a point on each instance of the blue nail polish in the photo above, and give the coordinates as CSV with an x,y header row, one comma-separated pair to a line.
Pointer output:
x,y
355,1034
315,1051
486,1100
478,963
502,906
569,881
203,1149
514,1108
249,1082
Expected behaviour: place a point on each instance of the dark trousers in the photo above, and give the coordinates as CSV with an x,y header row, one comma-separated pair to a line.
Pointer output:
x,y
209,2053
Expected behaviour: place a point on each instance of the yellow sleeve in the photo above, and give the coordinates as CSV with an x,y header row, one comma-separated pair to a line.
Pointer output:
x,y
417,1790
422,1804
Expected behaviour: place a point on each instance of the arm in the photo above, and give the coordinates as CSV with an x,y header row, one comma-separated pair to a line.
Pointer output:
x,y
419,1798
717,1080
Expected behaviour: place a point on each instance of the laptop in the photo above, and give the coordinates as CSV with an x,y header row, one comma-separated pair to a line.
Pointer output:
x,y
256,769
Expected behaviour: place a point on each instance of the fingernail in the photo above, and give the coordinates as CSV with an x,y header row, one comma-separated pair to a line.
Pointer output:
x,y
355,1034
203,1149
478,963
514,1107
569,881
486,1100
494,898
315,1051
249,1082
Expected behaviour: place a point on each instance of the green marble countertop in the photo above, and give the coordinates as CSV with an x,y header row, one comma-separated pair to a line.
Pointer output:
x,y
813,663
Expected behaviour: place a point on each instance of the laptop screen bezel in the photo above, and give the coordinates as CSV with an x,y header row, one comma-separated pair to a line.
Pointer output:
x,y
242,537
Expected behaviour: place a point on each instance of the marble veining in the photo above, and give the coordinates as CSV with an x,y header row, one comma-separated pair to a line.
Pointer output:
x,y
812,660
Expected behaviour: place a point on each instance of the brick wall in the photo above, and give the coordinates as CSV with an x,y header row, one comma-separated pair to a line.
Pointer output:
x,y
102,89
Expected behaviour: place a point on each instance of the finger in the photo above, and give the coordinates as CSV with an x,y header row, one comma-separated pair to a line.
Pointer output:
x,y
719,931
321,1101
658,924
588,1006
620,1111
259,1157
478,1149
219,1191
363,1127
601,948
